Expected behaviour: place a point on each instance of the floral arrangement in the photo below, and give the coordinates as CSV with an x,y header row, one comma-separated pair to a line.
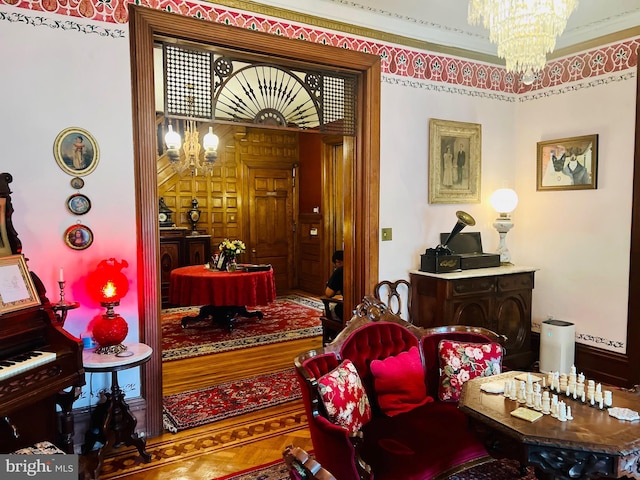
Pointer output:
x,y
231,249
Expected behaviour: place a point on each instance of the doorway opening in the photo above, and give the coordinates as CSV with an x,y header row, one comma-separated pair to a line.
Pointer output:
x,y
361,180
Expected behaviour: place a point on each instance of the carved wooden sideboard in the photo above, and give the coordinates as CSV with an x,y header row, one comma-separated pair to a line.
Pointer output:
x,y
498,298
179,248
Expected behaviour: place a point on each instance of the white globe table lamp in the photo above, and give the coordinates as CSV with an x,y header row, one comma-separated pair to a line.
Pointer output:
x,y
504,201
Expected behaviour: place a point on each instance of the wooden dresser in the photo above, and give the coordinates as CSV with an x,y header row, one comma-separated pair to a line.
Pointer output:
x,y
498,298
179,248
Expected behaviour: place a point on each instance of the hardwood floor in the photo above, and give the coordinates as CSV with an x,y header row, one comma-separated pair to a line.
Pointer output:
x,y
228,446
215,450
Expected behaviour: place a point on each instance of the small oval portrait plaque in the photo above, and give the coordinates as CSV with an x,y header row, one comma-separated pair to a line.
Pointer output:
x,y
78,204
78,237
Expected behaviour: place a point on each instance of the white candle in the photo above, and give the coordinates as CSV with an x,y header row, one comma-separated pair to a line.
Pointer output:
x,y
61,278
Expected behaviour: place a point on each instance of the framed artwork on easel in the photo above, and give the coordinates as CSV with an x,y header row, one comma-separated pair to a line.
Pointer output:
x,y
17,290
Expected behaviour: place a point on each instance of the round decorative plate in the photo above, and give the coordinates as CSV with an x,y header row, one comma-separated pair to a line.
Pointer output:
x,y
78,204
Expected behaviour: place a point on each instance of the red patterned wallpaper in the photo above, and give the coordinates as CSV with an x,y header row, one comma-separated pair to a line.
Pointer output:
x,y
396,60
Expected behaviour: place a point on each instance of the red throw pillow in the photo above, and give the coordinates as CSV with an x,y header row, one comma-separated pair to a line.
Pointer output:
x,y
460,362
344,397
399,382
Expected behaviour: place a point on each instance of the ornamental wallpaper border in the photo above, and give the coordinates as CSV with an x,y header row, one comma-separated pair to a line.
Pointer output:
x,y
396,60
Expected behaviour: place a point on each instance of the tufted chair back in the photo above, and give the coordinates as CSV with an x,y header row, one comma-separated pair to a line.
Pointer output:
x,y
375,341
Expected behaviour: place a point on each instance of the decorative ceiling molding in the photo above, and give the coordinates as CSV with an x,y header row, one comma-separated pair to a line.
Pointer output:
x,y
351,29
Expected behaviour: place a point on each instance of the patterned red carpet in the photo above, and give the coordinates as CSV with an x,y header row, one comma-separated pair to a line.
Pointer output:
x,y
200,407
283,320
493,470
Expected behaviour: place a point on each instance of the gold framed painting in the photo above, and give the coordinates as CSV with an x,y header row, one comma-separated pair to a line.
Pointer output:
x,y
17,290
455,150
568,163
76,151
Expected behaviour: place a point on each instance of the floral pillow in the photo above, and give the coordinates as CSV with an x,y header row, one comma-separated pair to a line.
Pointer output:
x,y
460,362
399,382
344,397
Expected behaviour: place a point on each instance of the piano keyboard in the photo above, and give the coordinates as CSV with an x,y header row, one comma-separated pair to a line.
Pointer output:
x,y
23,362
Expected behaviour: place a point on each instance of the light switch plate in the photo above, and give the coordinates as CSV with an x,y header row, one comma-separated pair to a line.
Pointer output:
x,y
386,234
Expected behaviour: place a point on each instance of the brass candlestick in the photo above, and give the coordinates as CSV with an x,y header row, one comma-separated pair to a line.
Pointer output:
x,y
61,284
61,308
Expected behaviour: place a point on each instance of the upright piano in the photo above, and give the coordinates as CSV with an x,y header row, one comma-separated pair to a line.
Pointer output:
x,y
40,363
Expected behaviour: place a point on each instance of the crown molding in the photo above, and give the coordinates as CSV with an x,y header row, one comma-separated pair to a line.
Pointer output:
x,y
351,29
595,43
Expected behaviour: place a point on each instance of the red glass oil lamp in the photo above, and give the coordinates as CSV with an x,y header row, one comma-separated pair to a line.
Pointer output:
x,y
107,285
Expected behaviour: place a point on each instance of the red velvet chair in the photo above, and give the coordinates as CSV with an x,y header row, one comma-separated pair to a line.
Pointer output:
x,y
427,442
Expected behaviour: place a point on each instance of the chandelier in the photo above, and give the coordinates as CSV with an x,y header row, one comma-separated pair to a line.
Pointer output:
x,y
191,160
524,30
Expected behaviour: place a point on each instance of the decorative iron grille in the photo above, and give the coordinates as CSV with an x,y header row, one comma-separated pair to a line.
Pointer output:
x,y
187,82
203,85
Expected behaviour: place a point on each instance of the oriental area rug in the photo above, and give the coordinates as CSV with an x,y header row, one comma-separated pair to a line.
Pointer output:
x,y
492,470
289,317
200,407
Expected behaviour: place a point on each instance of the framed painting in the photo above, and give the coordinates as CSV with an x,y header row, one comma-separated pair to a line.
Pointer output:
x,y
568,163
76,151
17,290
78,237
454,161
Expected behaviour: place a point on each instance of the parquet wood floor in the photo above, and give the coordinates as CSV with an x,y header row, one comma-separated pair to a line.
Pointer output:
x,y
228,446
215,450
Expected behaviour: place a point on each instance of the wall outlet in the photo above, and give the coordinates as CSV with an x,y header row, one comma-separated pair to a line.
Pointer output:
x,y
386,234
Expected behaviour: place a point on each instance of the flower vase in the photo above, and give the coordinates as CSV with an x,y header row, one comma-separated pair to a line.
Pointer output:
x,y
232,266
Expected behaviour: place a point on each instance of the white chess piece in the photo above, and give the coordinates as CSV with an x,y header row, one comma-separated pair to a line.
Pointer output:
x,y
569,415
608,399
554,406
546,403
537,401
562,412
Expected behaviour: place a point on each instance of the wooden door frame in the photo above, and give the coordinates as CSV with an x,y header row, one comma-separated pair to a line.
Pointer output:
x,y
361,201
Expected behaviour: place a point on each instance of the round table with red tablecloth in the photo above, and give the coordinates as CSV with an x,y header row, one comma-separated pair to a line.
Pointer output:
x,y
224,295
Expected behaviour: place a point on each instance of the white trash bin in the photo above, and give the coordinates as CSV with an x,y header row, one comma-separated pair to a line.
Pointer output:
x,y
557,346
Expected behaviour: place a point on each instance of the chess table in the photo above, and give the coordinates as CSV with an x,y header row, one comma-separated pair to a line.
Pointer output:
x,y
592,445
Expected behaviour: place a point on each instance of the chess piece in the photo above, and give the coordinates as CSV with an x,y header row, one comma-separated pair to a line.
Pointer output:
x,y
563,383
562,412
546,404
529,399
569,415
522,395
537,401
608,399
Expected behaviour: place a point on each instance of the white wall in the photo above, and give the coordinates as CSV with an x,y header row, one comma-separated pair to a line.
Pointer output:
x,y
579,239
404,201
53,79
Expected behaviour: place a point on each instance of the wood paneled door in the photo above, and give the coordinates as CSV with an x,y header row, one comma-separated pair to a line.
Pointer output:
x,y
270,215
